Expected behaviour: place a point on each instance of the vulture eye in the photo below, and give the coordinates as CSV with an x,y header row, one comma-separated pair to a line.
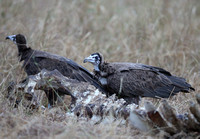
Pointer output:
x,y
14,39
96,58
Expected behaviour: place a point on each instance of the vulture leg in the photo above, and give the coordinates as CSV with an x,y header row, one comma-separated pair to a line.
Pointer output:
x,y
52,97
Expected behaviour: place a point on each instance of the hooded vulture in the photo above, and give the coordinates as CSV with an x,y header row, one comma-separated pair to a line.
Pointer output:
x,y
134,80
35,61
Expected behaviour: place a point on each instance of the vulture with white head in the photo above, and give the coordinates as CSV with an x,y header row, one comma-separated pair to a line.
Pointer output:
x,y
134,80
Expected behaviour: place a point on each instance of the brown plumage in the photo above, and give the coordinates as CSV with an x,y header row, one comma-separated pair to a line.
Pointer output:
x,y
35,61
132,80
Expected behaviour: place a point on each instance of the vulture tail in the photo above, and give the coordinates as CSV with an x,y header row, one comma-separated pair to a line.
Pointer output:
x,y
181,84
178,85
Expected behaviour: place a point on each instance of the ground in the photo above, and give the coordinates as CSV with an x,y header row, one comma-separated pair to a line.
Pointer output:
x,y
154,32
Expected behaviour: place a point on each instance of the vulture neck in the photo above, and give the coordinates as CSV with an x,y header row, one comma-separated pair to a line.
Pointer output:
x,y
23,51
97,68
101,69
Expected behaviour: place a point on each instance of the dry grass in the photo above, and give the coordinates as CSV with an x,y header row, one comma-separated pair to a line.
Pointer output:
x,y
160,33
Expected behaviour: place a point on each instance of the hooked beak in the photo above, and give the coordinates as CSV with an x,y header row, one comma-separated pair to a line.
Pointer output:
x,y
12,38
89,59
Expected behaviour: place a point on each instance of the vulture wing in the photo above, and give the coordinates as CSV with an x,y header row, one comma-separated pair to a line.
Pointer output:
x,y
43,60
132,79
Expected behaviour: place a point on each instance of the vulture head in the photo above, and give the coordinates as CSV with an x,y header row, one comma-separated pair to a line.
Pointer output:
x,y
20,41
17,39
96,59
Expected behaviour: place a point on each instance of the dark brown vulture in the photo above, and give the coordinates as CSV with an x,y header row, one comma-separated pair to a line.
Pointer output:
x,y
35,61
134,80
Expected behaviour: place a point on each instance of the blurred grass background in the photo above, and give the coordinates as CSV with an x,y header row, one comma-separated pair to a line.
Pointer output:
x,y
163,33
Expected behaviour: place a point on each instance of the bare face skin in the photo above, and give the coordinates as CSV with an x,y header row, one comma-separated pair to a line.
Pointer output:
x,y
94,59
12,38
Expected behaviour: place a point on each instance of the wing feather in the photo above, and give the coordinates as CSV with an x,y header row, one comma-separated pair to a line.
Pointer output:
x,y
44,60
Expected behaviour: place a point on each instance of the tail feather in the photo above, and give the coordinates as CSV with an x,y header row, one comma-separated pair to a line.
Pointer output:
x,y
166,92
178,85
181,83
